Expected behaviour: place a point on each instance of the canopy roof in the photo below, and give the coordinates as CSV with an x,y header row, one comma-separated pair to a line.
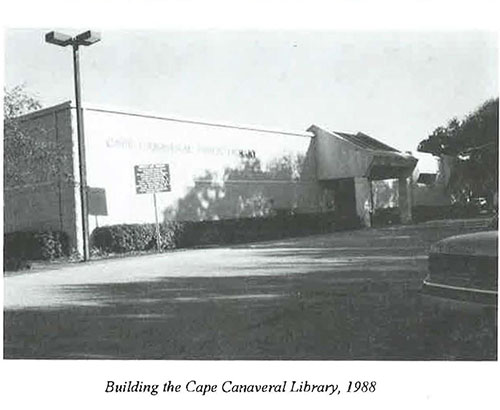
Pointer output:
x,y
344,155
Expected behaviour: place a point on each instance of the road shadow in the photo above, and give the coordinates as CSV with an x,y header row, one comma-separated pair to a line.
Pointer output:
x,y
359,300
296,317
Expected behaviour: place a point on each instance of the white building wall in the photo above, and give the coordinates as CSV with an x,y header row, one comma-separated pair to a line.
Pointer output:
x,y
199,157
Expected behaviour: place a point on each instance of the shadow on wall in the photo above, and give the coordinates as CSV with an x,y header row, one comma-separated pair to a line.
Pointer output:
x,y
245,191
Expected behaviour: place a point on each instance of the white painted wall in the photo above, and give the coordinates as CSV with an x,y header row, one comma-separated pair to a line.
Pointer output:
x,y
118,142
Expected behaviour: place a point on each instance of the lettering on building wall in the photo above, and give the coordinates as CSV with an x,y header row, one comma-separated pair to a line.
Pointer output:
x,y
178,148
248,154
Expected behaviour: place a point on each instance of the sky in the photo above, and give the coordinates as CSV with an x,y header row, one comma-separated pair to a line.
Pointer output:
x,y
395,86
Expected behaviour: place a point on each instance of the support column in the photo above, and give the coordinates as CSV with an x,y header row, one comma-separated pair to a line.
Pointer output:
x,y
405,201
363,200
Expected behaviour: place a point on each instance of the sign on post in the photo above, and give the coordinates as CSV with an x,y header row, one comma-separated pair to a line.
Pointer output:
x,y
96,198
150,179
97,201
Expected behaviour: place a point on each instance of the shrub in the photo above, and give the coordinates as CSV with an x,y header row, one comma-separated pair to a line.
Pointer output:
x,y
426,213
20,247
386,216
52,244
127,238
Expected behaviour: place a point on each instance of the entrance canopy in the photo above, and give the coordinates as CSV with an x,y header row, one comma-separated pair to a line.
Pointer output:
x,y
342,155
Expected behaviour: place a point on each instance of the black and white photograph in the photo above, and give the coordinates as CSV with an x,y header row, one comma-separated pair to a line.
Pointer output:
x,y
249,196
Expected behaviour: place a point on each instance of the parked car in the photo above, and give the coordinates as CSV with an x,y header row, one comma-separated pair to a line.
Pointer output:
x,y
463,269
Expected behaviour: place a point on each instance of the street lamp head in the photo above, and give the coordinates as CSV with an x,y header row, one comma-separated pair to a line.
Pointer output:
x,y
88,38
59,39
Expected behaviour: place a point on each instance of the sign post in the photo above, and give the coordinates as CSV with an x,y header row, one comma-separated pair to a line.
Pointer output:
x,y
150,179
158,237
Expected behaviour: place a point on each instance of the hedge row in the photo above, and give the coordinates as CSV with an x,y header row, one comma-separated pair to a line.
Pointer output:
x,y
386,216
20,247
134,237
457,210
391,216
140,237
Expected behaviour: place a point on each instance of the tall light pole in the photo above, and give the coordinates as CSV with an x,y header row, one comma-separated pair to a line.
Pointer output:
x,y
86,38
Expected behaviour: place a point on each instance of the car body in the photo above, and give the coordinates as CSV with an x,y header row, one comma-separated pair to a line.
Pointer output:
x,y
463,270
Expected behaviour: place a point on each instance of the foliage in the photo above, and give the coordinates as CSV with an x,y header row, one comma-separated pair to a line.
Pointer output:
x,y
17,102
385,194
126,238
141,237
386,216
473,141
238,193
33,245
30,157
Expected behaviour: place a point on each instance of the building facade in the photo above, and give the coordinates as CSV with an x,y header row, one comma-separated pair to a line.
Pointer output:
x,y
216,171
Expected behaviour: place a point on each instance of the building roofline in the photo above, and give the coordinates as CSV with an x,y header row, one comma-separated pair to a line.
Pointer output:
x,y
357,147
48,110
158,116
220,124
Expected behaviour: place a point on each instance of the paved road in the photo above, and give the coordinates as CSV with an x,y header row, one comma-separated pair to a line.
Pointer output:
x,y
346,295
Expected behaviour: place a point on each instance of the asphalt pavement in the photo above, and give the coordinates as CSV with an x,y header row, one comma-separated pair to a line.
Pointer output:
x,y
349,295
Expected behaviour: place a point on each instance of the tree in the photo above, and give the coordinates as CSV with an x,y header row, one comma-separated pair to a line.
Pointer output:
x,y
473,142
30,157
243,192
17,102
286,167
